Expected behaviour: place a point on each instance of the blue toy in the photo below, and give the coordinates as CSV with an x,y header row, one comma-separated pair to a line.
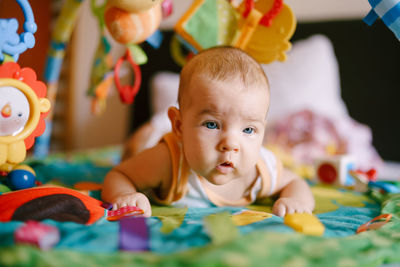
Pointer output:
x,y
11,43
388,11
21,179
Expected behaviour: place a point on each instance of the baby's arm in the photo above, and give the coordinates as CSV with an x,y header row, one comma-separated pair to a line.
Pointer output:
x,y
294,195
149,169
119,190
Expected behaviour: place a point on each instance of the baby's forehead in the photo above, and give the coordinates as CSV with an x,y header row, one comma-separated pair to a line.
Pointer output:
x,y
203,83
205,89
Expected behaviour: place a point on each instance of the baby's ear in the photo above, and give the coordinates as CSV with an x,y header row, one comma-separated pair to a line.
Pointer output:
x,y
174,116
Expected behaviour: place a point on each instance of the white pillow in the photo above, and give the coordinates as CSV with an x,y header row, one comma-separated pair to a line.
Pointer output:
x,y
164,91
163,94
308,79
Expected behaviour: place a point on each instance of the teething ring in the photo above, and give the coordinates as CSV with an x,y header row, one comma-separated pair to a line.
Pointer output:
x,y
127,93
372,224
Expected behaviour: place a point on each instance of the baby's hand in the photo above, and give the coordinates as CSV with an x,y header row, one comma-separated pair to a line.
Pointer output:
x,y
134,199
286,205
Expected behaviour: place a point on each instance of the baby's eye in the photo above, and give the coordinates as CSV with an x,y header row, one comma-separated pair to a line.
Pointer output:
x,y
210,124
20,114
248,130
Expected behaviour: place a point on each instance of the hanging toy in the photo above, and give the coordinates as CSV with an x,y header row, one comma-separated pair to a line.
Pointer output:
x,y
261,28
101,77
131,22
388,11
127,93
12,44
134,6
269,40
23,107
205,24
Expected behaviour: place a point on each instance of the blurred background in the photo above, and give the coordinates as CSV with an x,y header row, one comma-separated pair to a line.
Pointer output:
x,y
75,127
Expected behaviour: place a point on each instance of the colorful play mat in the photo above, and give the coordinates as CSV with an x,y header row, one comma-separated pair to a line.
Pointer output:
x,y
229,236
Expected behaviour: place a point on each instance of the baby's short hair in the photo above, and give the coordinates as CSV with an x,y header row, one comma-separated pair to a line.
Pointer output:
x,y
222,63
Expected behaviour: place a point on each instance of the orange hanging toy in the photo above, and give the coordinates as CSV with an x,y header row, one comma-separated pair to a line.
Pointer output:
x,y
131,22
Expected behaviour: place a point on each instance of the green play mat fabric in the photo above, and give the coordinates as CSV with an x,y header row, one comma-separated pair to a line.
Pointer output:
x,y
209,237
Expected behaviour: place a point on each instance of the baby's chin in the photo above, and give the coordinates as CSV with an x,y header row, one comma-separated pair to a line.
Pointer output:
x,y
220,179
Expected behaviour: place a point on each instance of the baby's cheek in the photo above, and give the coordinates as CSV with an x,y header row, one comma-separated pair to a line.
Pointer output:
x,y
252,152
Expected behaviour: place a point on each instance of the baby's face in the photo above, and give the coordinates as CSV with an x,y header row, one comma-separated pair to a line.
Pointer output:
x,y
223,127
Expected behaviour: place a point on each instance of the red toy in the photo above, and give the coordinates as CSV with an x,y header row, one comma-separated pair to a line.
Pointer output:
x,y
39,234
128,211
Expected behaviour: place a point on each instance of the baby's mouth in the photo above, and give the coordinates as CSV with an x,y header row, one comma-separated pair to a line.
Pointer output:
x,y
225,167
227,164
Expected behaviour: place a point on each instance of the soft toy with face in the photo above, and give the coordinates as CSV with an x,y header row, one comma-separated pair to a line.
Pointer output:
x,y
14,111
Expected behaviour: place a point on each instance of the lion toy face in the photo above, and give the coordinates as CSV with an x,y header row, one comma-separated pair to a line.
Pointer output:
x,y
14,111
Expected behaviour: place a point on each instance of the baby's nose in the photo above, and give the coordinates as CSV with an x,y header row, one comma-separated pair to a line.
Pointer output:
x,y
228,143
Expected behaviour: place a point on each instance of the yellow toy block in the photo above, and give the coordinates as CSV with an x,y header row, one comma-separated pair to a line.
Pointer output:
x,y
305,223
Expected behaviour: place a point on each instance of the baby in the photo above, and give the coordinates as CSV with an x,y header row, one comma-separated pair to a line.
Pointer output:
x,y
214,154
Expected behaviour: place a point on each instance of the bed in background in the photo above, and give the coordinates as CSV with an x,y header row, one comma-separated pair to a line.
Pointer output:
x,y
219,236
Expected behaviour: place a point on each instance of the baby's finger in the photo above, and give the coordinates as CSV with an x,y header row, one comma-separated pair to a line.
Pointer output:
x,y
297,208
144,204
308,210
279,209
115,206
289,209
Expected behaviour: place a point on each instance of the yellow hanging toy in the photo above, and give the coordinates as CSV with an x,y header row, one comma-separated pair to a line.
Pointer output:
x,y
23,107
262,28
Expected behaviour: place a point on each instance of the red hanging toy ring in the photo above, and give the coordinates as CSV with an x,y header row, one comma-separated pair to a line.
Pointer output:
x,y
127,93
